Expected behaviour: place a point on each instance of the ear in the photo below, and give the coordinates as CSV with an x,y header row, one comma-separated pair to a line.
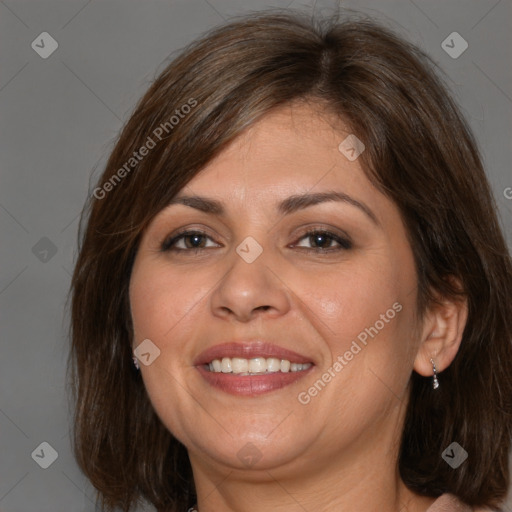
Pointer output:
x,y
441,334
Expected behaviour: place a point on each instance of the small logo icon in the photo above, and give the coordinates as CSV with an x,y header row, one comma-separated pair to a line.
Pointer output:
x,y
44,250
44,45
45,455
147,352
249,454
249,249
351,147
454,45
508,193
454,455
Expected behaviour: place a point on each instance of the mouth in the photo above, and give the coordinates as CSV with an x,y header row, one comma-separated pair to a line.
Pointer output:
x,y
251,369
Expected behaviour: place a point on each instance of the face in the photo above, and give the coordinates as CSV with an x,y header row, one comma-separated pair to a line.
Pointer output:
x,y
290,256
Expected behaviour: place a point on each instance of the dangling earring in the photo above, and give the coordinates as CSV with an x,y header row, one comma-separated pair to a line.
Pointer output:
x,y
435,382
136,362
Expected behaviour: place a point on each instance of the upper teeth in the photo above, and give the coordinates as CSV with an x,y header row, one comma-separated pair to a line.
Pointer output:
x,y
255,365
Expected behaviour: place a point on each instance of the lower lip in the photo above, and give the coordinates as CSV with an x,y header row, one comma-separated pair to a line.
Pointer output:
x,y
251,385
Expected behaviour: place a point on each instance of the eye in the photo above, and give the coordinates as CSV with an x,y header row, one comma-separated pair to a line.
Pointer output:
x,y
318,240
321,241
187,240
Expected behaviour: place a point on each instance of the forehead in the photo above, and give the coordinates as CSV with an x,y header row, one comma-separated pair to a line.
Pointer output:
x,y
295,148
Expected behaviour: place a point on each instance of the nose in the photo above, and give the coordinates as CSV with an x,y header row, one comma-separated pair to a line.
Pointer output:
x,y
248,290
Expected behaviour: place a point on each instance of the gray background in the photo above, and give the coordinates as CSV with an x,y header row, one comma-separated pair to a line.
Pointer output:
x,y
59,117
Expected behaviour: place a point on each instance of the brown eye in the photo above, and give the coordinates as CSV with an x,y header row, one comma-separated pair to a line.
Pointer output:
x,y
323,241
187,240
194,241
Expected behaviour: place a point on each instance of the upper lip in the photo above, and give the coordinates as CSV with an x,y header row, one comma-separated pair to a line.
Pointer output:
x,y
249,350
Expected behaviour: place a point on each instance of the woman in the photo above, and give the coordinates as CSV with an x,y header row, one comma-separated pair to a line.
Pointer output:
x,y
295,240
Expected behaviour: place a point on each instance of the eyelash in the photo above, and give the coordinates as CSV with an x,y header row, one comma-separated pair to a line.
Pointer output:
x,y
344,243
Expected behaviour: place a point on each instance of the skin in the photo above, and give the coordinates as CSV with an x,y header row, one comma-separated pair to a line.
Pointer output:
x,y
339,451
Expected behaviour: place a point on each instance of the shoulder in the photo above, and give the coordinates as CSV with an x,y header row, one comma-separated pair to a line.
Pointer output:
x,y
450,503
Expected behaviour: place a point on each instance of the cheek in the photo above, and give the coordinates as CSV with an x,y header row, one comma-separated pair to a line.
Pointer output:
x,y
349,300
160,299
365,313
161,306
367,320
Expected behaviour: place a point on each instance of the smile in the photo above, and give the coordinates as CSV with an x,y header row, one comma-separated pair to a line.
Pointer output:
x,y
251,367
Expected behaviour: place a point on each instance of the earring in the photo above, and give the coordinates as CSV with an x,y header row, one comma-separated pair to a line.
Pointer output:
x,y
435,382
136,362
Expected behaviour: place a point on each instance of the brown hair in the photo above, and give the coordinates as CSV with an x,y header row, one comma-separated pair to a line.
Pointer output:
x,y
419,152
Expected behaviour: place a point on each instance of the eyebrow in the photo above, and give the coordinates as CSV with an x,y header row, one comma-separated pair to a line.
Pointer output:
x,y
289,205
